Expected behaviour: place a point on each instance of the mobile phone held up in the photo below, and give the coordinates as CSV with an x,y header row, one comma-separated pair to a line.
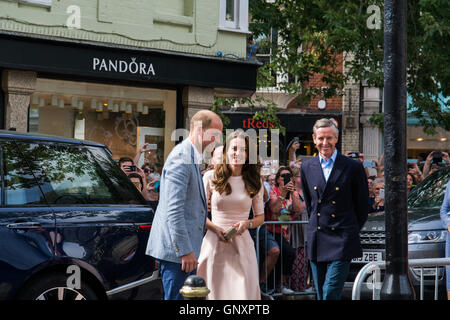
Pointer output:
x,y
369,164
151,146
354,155
132,168
437,157
157,184
286,179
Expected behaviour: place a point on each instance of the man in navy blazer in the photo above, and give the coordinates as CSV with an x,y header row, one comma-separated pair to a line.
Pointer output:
x,y
336,194
178,226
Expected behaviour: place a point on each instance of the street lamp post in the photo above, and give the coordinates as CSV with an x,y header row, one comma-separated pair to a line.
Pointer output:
x,y
397,283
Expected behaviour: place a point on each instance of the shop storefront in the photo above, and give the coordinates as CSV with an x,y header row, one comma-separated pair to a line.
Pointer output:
x,y
419,144
121,97
297,125
121,117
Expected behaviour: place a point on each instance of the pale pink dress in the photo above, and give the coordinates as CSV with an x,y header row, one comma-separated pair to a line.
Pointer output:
x,y
230,269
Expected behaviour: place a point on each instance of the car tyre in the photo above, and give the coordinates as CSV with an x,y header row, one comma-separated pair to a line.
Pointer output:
x,y
55,287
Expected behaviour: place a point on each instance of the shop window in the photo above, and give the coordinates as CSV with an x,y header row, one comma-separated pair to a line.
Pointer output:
x,y
120,117
234,15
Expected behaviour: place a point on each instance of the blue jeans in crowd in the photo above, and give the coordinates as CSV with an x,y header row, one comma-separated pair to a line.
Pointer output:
x,y
329,278
173,279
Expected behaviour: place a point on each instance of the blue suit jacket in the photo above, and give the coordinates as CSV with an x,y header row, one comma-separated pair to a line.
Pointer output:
x,y
337,209
179,222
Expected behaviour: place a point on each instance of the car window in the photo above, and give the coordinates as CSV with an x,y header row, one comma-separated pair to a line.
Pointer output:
x,y
430,192
20,186
115,175
71,175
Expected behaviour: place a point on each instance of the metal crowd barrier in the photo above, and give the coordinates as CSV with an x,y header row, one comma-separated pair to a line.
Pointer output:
x,y
375,268
272,284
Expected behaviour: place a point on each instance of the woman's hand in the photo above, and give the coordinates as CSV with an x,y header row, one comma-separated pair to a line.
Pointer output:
x,y
378,202
216,229
241,226
219,232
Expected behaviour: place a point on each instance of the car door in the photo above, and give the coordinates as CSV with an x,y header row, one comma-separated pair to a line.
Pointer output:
x,y
99,212
27,225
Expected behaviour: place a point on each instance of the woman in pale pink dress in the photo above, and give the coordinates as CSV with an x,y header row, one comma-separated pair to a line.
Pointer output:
x,y
230,268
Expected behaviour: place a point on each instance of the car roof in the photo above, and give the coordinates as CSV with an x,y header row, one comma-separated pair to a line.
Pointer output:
x,y
13,135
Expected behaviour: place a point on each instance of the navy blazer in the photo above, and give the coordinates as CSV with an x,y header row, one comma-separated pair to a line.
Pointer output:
x,y
337,209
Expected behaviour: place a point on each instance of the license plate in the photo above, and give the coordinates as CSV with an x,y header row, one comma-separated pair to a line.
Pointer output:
x,y
368,256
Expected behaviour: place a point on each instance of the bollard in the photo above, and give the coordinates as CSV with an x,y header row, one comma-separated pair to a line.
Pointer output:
x,y
194,288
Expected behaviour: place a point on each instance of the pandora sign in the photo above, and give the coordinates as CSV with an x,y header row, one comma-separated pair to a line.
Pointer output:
x,y
123,66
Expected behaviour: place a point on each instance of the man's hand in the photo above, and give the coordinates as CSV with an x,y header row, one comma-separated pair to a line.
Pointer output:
x,y
189,262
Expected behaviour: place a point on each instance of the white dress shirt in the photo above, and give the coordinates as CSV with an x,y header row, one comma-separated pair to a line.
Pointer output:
x,y
327,166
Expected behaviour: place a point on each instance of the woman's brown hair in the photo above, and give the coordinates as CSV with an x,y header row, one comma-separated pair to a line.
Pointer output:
x,y
251,173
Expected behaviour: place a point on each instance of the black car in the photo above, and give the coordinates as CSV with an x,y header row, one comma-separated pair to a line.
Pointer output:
x,y
72,225
426,236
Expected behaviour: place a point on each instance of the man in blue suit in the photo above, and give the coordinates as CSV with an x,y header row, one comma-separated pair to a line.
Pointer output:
x,y
178,226
336,195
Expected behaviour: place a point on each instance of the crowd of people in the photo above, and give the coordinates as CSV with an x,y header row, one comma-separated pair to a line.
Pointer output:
x,y
418,170
207,220
146,178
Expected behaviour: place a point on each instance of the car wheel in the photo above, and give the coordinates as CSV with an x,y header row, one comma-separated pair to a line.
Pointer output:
x,y
54,287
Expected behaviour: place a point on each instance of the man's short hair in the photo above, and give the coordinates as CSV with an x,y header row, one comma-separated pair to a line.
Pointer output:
x,y
205,116
326,123
125,159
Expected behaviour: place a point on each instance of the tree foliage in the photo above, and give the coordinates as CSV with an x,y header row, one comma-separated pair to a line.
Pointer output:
x,y
313,33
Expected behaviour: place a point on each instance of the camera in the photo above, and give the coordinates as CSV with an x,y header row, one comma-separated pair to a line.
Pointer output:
x,y
132,168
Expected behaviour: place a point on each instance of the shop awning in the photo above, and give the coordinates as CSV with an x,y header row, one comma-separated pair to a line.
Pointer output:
x,y
103,61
